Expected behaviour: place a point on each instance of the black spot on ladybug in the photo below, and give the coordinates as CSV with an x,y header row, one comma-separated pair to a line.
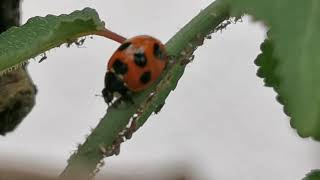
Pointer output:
x,y
124,46
145,77
157,52
120,67
140,59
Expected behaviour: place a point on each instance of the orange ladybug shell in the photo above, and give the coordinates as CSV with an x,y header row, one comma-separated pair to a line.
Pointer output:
x,y
139,61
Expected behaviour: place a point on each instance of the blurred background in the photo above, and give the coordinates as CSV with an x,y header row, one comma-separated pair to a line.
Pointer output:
x,y
220,122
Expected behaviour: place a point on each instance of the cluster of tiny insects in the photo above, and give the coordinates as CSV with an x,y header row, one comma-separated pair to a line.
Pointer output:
x,y
134,66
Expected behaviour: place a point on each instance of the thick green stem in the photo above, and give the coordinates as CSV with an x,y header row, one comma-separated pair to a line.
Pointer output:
x,y
106,138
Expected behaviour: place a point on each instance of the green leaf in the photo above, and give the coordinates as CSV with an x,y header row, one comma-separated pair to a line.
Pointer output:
x,y
313,175
40,34
294,31
267,64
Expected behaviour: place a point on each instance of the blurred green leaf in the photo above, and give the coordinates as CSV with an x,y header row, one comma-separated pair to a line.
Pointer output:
x,y
267,64
294,31
313,175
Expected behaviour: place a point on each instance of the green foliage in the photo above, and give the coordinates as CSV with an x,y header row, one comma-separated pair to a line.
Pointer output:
x,y
267,64
40,34
294,31
313,175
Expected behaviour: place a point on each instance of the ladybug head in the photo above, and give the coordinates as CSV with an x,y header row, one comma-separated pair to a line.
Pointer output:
x,y
113,86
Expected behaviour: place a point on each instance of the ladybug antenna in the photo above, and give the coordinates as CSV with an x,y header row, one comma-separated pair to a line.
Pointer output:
x,y
98,95
110,35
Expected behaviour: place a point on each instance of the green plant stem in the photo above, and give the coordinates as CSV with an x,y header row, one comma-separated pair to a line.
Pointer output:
x,y
104,137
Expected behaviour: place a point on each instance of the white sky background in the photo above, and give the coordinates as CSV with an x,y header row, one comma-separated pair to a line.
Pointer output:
x,y
220,120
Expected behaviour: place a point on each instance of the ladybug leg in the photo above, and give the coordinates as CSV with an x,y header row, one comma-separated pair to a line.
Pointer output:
x,y
117,103
127,98
123,98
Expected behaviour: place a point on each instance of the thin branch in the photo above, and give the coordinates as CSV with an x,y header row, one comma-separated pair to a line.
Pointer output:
x,y
110,35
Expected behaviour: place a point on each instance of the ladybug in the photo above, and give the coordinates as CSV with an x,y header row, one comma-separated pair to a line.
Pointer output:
x,y
136,64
